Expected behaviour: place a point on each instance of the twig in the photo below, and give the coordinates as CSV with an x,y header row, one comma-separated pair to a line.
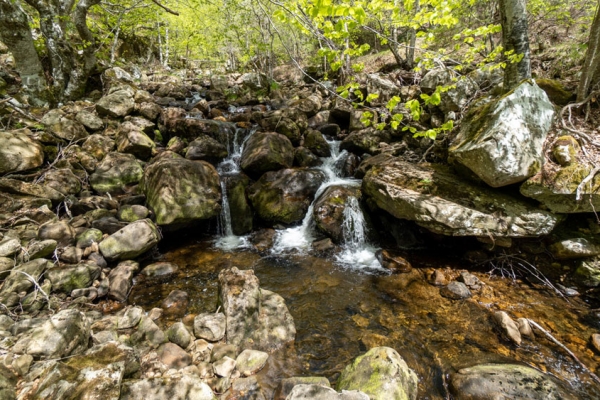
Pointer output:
x,y
565,348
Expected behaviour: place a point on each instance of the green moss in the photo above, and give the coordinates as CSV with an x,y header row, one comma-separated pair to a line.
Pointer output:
x,y
555,90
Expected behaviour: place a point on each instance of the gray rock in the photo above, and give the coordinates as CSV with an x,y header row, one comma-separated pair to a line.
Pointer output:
x,y
180,335
497,381
121,279
365,141
160,269
98,146
185,388
249,362
131,241
71,255
117,104
508,327
63,181
206,148
315,142
574,248
456,291
18,152
90,120
433,197
318,392
63,126
224,367
61,231
6,322
9,246
18,279
588,273
68,279
90,293
221,350
89,237
135,142
116,172
245,388
286,385
382,374
65,333
181,191
151,332
266,151
176,303
8,384
210,326
18,187
173,356
6,264
502,141
131,318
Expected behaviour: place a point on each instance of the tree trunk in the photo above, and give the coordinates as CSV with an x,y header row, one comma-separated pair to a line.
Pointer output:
x,y
410,56
591,67
16,35
513,14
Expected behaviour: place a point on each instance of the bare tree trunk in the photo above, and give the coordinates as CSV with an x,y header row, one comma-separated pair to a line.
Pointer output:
x,y
591,67
113,48
410,55
166,47
15,33
513,14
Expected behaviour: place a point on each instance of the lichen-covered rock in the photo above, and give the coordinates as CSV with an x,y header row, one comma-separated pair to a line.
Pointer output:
x,y
18,152
382,374
132,213
9,246
509,381
117,104
328,211
206,148
18,187
115,172
135,142
18,281
435,198
557,189
63,181
365,141
64,333
181,191
179,334
249,362
131,241
502,141
120,280
565,150
90,120
210,326
287,384
266,151
98,146
61,231
315,142
588,273
63,126
574,248
284,196
68,279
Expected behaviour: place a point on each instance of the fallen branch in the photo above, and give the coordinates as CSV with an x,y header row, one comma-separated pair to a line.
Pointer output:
x,y
565,348
11,104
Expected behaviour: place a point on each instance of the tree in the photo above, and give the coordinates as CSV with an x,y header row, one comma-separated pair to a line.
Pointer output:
x,y
515,38
590,73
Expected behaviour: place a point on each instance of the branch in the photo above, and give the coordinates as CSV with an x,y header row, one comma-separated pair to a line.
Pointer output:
x,y
165,8
584,182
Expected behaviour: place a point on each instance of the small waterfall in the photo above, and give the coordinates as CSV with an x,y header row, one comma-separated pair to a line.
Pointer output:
x,y
230,167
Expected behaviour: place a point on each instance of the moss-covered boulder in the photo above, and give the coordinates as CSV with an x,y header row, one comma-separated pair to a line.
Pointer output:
x,y
18,152
435,198
328,211
505,381
557,189
502,141
206,148
65,280
241,213
63,125
115,173
556,91
266,151
565,150
181,192
135,142
382,374
315,142
283,125
365,141
284,196
98,146
131,241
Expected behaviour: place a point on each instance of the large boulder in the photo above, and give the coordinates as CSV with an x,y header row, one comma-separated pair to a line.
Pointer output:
x,y
18,152
557,189
382,374
64,126
256,318
63,334
63,181
328,211
434,197
117,104
266,151
115,172
131,241
181,191
284,196
505,381
206,148
502,141
135,142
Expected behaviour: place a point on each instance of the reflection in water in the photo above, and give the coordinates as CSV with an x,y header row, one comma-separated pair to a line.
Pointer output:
x,y
340,313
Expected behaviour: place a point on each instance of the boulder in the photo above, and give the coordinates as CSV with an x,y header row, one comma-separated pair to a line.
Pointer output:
x,y
284,196
98,146
210,326
115,172
21,188
63,334
61,231
588,273
181,192
117,104
239,208
329,210
256,318
304,158
266,151
175,305
173,356
565,150
179,334
287,384
206,148
9,246
365,141
283,125
315,142
120,280
90,120
68,279
131,241
438,200
132,213
575,248
63,126
505,381
135,142
249,362
502,141
188,387
18,152
382,374
557,189
63,181
17,281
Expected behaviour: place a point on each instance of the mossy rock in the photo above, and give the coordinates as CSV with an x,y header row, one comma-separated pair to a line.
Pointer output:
x,y
556,91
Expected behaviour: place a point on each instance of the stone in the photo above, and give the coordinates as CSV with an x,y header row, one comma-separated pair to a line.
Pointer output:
x,y
98,146
131,241
19,152
176,303
68,279
150,111
6,322
435,198
588,273
9,246
6,264
508,327
90,120
287,384
8,383
392,262
18,282
187,387
22,364
502,141
256,317
266,151
455,291
315,142
224,367
63,126
65,333
131,318
181,192
117,104
89,237
318,392
132,213
151,332
108,225
284,196
242,215
556,92
221,350
381,373
173,356
61,231
508,381
121,279
210,326
249,362
565,150
206,148
180,335
245,388
63,181
18,187
284,126
574,248
365,141
595,339
160,269
470,280
525,327
303,157
329,210
135,142
115,173
90,293
70,255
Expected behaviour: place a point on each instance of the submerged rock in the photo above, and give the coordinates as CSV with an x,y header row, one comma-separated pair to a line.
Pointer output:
x,y
508,381
436,199
502,141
